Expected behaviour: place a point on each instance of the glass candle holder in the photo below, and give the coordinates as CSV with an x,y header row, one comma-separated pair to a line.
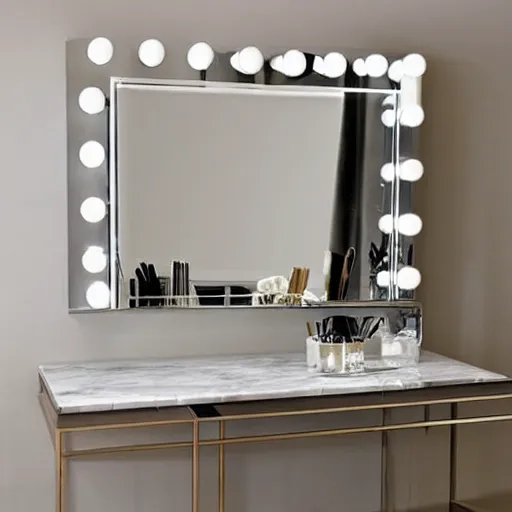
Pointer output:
x,y
312,352
344,357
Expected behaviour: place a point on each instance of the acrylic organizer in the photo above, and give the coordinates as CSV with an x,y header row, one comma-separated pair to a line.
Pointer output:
x,y
342,356
369,338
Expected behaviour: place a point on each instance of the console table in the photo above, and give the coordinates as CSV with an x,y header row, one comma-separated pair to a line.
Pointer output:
x,y
117,395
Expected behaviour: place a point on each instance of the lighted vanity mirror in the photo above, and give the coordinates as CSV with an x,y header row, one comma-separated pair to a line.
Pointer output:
x,y
221,187
268,188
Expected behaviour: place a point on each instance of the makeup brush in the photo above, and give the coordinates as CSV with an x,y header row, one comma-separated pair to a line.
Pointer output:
x,y
294,281
309,328
348,265
305,280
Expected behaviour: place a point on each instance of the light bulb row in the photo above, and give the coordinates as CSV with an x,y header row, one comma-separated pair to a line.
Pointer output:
x,y
250,60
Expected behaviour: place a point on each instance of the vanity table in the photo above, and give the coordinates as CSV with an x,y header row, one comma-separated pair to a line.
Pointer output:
x,y
257,178
194,393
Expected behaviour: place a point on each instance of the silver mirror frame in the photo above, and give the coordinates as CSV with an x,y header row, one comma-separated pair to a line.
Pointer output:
x,y
126,62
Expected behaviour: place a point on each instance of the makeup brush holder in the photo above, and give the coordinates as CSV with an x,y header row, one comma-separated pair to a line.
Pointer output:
x,y
346,357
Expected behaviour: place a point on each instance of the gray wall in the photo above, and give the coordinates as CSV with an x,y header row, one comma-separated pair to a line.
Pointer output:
x,y
463,197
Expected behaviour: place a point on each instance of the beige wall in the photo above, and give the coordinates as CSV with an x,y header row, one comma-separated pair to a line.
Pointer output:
x,y
463,198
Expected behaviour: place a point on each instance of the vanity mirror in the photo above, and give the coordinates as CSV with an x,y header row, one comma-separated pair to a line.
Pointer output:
x,y
250,178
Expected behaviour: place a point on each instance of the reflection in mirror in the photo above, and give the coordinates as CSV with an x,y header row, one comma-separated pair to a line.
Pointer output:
x,y
255,195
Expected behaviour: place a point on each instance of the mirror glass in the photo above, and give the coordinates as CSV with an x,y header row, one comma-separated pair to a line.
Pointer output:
x,y
245,195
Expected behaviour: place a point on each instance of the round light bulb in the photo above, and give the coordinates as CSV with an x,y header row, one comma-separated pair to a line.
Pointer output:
x,y
94,259
386,224
376,65
92,154
200,56
387,172
250,60
277,63
396,71
389,101
92,100
98,295
414,65
318,65
412,116
151,53
388,117
359,67
100,51
235,62
383,279
408,278
93,210
410,170
409,224
335,65
294,63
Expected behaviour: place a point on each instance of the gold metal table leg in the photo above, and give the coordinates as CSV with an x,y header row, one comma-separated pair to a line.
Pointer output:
x,y
195,468
60,472
222,428
384,465
453,452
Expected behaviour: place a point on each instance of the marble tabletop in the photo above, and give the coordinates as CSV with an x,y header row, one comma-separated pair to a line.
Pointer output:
x,y
137,384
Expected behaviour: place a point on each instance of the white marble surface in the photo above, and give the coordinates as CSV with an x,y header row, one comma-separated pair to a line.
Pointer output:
x,y
115,385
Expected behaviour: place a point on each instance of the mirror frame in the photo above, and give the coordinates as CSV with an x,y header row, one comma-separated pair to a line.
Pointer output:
x,y
98,127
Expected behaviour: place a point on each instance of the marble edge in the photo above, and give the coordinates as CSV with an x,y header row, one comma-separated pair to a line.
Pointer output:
x,y
43,382
253,397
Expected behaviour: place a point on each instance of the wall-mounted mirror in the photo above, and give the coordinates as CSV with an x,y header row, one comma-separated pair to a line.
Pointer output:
x,y
250,193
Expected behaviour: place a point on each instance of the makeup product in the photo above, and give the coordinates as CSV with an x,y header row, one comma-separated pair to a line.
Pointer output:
x,y
297,286
132,302
146,288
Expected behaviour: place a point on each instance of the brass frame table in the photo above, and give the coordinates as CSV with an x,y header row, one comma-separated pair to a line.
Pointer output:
x,y
60,425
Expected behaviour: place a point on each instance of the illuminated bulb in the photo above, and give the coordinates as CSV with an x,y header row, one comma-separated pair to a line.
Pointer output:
x,y
94,259
250,60
410,170
408,278
335,65
376,65
359,67
318,65
100,51
383,279
98,295
235,62
386,224
92,154
93,209
151,53
409,224
389,101
388,117
92,100
396,71
414,65
294,63
412,116
387,172
200,56
277,63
